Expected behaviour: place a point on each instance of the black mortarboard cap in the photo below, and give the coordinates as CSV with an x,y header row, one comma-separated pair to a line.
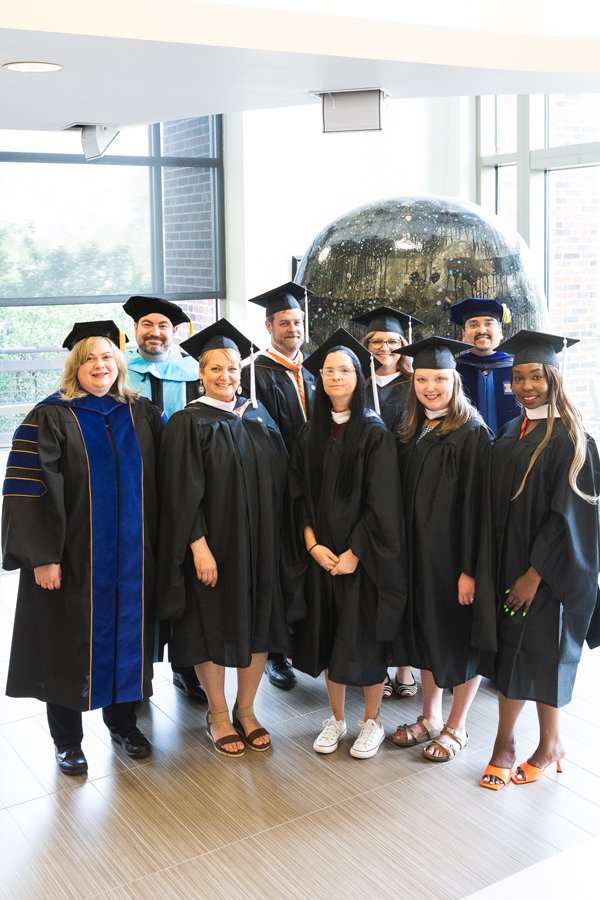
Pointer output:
x,y
286,296
434,352
535,347
477,306
102,328
385,318
341,338
221,335
139,306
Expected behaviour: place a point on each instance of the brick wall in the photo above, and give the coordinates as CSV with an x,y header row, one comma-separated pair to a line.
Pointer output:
x,y
573,196
188,204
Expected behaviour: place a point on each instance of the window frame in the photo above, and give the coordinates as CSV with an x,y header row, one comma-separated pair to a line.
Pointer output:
x,y
155,163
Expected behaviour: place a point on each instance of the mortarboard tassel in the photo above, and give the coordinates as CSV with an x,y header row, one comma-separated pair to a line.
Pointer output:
x,y
305,317
563,362
409,330
191,328
374,386
506,315
252,380
121,341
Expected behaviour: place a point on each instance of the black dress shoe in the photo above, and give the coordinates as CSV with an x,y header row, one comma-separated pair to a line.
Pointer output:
x,y
134,744
190,686
71,761
280,673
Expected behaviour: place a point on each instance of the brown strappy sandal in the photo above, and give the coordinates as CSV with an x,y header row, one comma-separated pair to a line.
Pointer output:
x,y
243,713
234,738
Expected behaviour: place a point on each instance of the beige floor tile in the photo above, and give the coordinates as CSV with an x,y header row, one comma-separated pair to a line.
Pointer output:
x,y
22,875
85,844
17,782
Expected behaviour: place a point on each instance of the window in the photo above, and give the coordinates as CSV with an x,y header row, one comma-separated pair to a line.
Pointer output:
x,y
547,185
78,237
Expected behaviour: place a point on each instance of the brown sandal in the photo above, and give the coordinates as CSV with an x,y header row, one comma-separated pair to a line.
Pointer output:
x,y
243,713
213,719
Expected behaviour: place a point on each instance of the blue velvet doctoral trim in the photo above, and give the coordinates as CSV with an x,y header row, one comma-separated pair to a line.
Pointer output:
x,y
491,394
117,547
27,433
23,487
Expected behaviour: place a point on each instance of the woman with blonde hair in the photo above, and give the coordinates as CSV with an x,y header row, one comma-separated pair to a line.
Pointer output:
x,y
546,533
223,472
391,384
443,449
385,340
79,521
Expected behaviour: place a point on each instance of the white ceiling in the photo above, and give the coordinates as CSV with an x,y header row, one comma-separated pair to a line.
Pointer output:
x,y
136,62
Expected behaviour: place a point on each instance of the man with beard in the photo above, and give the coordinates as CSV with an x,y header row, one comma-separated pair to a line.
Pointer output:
x,y
485,373
286,388
170,379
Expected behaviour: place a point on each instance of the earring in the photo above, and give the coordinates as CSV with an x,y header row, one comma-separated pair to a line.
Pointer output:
x,y
239,390
201,387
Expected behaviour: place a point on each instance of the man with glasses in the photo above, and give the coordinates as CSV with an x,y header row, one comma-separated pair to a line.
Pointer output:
x,y
286,388
485,373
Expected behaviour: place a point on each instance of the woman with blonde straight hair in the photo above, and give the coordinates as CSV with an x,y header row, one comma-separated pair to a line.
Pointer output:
x,y
546,531
80,522
443,449
223,471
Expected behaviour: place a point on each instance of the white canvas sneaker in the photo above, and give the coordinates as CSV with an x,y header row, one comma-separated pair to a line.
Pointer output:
x,y
369,740
329,738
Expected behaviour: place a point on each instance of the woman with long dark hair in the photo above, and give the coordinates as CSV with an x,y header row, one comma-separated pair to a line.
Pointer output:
x,y
443,450
547,535
345,572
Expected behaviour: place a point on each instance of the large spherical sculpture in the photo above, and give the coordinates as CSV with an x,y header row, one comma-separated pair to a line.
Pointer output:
x,y
420,254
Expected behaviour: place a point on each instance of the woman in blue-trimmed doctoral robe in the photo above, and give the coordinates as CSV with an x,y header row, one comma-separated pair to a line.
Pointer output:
x,y
79,521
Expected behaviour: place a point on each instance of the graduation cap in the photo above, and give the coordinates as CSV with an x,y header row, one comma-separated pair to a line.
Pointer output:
x,y
222,335
342,338
537,347
476,306
286,296
385,318
434,352
138,306
101,328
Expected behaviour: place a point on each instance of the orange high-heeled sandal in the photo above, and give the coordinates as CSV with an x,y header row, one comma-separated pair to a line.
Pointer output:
x,y
503,774
532,773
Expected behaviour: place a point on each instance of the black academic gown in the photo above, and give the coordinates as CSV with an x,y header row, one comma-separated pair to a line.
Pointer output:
x,y
444,485
343,622
222,477
80,491
277,392
554,530
393,398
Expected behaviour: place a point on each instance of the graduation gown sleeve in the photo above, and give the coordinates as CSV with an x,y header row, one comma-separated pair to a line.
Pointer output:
x,y
377,538
181,475
565,552
34,517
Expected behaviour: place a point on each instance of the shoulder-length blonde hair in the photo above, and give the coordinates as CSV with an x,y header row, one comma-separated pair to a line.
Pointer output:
x,y
559,401
459,412
404,363
70,388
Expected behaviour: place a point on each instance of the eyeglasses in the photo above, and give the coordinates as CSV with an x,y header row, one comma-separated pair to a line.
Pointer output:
x,y
344,372
377,345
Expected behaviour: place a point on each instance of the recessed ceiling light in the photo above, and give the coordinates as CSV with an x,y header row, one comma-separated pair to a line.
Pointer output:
x,y
32,67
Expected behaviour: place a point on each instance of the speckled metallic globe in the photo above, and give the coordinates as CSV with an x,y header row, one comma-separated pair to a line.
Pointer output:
x,y
421,255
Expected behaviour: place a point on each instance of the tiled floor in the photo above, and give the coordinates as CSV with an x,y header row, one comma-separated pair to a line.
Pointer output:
x,y
187,824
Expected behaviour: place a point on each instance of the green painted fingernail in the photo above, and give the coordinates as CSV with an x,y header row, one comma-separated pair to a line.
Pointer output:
x,y
512,613
524,613
507,591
